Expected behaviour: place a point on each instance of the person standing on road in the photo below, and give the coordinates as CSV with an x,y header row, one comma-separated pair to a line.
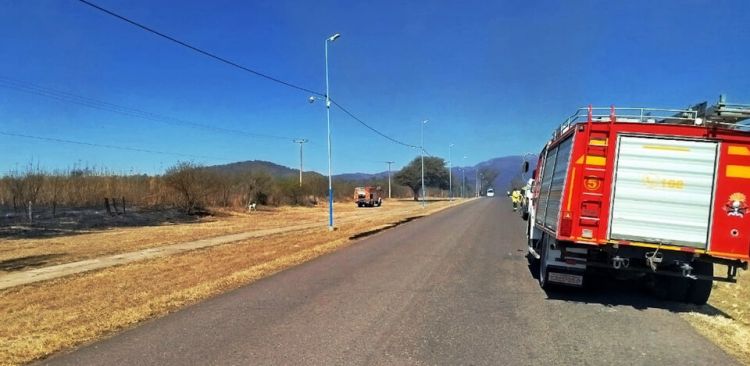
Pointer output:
x,y
516,197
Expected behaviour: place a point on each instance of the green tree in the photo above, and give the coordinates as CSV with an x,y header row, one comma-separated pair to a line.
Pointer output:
x,y
435,174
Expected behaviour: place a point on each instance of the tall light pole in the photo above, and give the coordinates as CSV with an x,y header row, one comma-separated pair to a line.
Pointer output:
x,y
463,177
422,148
481,183
300,142
450,173
389,177
328,125
476,182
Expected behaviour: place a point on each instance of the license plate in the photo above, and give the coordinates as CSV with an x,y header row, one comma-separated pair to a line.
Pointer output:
x,y
565,278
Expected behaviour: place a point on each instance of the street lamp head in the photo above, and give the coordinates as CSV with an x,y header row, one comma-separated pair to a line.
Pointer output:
x,y
425,121
311,99
334,37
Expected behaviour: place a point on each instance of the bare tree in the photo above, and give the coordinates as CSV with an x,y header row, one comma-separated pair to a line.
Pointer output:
x,y
488,176
189,181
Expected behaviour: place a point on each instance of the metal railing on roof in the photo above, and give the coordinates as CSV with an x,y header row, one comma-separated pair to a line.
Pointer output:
x,y
725,115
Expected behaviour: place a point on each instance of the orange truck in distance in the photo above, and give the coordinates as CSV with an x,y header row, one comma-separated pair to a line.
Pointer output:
x,y
368,196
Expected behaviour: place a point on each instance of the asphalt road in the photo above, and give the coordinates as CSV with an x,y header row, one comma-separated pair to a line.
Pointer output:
x,y
450,289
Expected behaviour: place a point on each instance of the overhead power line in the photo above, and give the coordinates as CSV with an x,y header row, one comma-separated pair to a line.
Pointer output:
x,y
203,52
126,148
67,97
244,68
350,114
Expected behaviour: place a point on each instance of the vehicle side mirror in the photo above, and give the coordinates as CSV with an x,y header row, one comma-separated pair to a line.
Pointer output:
x,y
525,166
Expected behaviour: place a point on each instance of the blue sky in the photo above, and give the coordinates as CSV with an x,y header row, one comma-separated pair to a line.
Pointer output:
x,y
493,77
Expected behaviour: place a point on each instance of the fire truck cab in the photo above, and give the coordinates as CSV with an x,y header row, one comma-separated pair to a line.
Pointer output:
x,y
650,192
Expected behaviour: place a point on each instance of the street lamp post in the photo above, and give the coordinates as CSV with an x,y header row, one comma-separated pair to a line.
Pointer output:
x,y
463,178
450,173
481,184
389,177
328,125
476,183
300,142
422,148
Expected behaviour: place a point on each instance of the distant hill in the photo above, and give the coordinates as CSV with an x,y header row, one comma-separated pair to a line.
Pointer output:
x,y
362,177
257,166
509,168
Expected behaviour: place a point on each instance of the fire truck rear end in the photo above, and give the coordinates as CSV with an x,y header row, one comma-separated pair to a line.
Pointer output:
x,y
644,192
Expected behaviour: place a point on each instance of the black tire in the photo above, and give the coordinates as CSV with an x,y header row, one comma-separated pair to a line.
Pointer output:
x,y
699,290
532,243
543,249
677,288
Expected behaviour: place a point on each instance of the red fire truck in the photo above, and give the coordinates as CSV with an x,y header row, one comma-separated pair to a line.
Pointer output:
x,y
368,196
644,192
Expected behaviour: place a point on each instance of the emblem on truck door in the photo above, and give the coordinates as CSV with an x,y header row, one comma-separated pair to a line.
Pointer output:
x,y
737,205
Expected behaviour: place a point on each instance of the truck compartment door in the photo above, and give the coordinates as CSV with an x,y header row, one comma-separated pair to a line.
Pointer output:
x,y
662,191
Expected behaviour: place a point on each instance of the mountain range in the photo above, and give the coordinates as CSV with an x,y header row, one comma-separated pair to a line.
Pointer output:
x,y
509,167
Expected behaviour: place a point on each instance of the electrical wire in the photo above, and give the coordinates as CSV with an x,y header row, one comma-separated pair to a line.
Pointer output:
x,y
363,123
196,49
64,141
67,97
244,68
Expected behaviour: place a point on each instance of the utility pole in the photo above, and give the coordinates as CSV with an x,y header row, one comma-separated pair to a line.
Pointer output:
x,y
422,148
300,142
450,174
389,177
463,178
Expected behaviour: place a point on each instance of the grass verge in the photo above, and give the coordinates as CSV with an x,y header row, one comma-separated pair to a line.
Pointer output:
x,y
730,327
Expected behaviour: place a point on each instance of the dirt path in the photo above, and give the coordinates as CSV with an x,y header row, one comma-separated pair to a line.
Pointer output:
x,y
60,270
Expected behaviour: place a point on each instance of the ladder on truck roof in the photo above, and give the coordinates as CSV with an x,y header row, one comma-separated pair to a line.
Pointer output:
x,y
723,114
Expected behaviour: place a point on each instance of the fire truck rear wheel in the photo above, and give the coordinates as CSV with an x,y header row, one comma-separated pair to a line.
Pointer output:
x,y
677,288
700,290
543,249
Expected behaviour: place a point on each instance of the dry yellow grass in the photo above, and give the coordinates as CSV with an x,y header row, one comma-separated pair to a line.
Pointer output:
x,y
731,332
94,244
46,317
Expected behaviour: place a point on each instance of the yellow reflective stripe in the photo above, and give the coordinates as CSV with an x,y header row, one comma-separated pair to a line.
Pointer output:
x,y
729,255
739,150
738,171
570,187
650,245
669,148
596,160
592,160
598,142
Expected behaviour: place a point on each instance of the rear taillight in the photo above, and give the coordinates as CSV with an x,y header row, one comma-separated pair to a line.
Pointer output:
x,y
566,224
